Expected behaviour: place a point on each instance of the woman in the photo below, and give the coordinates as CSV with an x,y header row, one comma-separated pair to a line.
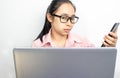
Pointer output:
x,y
60,19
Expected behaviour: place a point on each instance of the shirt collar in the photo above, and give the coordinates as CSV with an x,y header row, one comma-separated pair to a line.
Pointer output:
x,y
72,38
47,39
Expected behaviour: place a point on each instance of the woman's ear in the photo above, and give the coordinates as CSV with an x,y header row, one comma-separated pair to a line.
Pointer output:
x,y
49,17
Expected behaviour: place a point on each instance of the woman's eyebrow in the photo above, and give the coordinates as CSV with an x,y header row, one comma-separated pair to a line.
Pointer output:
x,y
67,14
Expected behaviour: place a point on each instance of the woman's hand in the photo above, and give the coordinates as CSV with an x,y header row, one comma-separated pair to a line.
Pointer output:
x,y
110,40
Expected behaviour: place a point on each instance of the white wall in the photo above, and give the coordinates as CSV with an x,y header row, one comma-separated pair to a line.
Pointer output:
x,y
21,22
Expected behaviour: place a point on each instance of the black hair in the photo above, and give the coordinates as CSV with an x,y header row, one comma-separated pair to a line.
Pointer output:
x,y
55,4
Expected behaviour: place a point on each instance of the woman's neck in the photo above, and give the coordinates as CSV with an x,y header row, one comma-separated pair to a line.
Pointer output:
x,y
58,40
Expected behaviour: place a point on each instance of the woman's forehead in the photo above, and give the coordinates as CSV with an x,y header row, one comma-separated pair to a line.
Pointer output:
x,y
66,8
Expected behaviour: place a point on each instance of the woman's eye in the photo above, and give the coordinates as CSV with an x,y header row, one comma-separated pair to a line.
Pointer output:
x,y
72,18
64,17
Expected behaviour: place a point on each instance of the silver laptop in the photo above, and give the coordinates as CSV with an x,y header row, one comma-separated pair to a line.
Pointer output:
x,y
65,63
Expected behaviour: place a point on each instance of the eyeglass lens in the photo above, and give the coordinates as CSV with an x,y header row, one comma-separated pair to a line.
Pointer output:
x,y
73,19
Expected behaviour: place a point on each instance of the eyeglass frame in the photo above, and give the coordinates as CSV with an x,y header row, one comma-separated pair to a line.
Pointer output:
x,y
69,18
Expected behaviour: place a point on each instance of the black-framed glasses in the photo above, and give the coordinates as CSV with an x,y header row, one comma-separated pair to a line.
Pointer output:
x,y
64,18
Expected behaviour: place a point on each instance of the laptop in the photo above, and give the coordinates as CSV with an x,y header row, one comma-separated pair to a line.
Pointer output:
x,y
64,62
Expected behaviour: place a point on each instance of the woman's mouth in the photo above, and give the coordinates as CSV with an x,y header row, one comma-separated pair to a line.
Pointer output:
x,y
67,30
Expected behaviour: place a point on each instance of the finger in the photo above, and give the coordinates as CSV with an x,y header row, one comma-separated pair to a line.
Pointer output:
x,y
112,39
106,44
109,41
114,35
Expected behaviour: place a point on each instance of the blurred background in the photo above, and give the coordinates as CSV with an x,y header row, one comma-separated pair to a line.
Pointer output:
x,y
22,20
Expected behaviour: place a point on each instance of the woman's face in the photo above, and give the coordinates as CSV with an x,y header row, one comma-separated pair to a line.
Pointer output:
x,y
58,27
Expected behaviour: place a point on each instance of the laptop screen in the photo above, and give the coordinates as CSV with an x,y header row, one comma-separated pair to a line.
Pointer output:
x,y
64,63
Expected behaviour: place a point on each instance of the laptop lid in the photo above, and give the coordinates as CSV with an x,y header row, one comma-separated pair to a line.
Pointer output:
x,y
64,63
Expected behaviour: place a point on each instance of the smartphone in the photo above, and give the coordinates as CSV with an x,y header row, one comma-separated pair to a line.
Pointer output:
x,y
113,29
115,26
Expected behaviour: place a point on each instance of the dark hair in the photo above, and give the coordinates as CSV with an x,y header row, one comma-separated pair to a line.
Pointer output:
x,y
55,4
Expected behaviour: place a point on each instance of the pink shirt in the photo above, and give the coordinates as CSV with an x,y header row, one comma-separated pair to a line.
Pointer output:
x,y
72,41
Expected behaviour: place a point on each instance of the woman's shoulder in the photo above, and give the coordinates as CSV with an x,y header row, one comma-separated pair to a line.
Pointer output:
x,y
36,43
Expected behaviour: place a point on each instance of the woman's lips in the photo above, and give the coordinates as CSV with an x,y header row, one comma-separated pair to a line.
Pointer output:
x,y
67,30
